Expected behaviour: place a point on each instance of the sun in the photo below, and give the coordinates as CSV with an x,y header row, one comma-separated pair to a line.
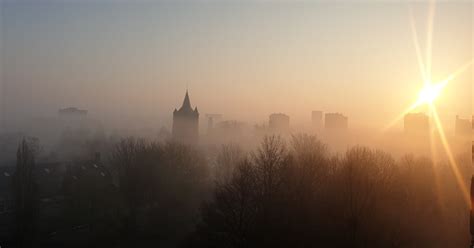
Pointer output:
x,y
429,93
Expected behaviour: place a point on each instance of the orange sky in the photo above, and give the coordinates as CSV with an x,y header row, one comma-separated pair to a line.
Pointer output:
x,y
133,60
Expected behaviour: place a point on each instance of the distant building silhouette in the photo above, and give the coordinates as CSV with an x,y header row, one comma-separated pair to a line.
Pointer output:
x,y
279,122
317,119
211,120
234,125
186,123
229,129
463,127
70,118
72,112
416,123
336,121
225,132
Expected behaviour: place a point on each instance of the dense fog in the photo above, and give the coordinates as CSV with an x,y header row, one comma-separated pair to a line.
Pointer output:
x,y
254,187
156,123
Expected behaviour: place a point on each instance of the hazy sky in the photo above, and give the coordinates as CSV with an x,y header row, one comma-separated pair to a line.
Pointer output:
x,y
125,60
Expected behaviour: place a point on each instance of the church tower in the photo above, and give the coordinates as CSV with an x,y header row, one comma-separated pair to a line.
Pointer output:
x,y
186,123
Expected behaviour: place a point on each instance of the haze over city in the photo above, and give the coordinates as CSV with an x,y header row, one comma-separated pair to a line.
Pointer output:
x,y
237,123
267,56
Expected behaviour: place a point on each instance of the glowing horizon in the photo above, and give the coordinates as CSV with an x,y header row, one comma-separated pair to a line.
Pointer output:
x,y
430,92
268,57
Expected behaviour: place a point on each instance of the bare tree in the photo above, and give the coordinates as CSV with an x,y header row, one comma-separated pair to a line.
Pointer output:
x,y
227,161
230,219
245,208
127,160
26,195
162,186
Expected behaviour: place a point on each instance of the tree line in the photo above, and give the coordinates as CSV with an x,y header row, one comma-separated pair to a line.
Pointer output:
x,y
292,193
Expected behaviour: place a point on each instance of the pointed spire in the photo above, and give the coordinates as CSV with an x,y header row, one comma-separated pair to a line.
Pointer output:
x,y
186,103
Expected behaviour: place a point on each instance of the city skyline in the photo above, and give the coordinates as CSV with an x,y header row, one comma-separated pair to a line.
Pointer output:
x,y
297,58
236,123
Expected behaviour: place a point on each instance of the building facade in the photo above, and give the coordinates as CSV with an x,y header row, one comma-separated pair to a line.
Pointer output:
x,y
186,123
279,122
463,127
336,121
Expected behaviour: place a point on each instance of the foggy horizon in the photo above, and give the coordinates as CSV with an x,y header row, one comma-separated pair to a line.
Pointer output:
x,y
270,57
236,123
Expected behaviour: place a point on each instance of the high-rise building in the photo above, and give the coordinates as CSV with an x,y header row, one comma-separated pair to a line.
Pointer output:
x,y
279,122
317,119
463,127
336,121
416,123
186,123
212,119
73,117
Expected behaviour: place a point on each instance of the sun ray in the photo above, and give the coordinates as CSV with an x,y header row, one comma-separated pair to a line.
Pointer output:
x,y
421,67
430,91
399,117
429,41
456,73
419,57
452,162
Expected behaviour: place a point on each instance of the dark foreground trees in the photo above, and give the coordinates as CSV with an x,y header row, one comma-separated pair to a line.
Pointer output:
x,y
162,187
283,194
26,195
302,196
145,194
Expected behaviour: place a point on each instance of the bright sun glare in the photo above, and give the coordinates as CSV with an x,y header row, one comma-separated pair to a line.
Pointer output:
x,y
429,93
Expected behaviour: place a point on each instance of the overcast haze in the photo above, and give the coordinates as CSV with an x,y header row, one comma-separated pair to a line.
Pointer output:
x,y
133,60
190,123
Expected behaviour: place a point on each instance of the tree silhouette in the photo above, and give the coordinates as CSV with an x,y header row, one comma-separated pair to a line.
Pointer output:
x,y
26,195
127,159
227,161
302,197
162,186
